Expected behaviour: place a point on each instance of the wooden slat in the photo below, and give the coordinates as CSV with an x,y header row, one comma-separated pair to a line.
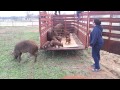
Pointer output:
x,y
45,19
114,47
68,22
82,19
83,24
102,19
58,21
83,29
108,27
62,19
104,26
84,13
105,46
72,19
113,20
55,16
115,12
66,48
115,28
65,19
115,35
99,12
82,37
43,14
76,25
105,34
104,13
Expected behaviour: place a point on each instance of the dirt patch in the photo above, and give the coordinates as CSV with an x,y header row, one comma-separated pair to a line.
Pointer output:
x,y
111,62
110,68
75,77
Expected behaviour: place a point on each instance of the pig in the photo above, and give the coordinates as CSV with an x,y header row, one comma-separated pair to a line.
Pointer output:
x,y
24,47
68,40
66,33
51,34
55,43
46,45
59,38
59,28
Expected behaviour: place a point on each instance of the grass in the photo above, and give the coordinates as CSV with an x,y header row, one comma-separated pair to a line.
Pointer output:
x,y
49,65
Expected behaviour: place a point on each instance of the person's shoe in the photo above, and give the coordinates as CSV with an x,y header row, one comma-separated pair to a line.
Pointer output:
x,y
96,70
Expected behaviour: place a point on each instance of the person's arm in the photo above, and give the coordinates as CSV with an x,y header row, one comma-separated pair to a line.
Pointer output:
x,y
94,37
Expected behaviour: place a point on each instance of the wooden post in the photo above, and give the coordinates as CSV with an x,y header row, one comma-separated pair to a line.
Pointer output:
x,y
88,31
110,25
65,23
40,28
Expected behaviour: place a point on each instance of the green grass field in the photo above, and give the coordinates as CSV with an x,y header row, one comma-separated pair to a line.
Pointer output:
x,y
49,65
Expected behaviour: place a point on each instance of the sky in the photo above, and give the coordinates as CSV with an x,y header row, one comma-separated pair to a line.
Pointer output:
x,y
23,13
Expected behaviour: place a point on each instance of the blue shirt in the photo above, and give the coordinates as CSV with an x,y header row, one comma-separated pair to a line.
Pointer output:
x,y
96,36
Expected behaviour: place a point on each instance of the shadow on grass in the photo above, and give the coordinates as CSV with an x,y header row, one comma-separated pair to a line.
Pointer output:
x,y
63,53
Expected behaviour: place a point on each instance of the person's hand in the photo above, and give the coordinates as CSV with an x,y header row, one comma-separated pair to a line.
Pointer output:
x,y
89,47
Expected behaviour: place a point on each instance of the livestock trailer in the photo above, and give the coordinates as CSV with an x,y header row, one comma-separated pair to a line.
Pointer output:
x,y
80,30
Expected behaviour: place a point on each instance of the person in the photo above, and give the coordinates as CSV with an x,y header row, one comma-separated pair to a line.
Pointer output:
x,y
96,42
78,14
56,12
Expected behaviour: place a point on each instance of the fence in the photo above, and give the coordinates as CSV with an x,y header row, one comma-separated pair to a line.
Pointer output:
x,y
111,28
19,23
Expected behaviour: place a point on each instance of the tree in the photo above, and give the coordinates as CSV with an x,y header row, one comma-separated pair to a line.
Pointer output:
x,y
28,15
14,18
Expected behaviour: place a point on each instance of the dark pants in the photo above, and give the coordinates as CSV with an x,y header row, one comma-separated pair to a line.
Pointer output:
x,y
78,15
96,56
56,12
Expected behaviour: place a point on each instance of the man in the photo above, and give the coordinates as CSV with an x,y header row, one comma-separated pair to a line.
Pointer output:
x,y
96,42
78,14
56,12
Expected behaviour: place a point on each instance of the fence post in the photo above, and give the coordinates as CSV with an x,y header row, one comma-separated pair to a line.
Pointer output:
x,y
12,22
32,23
88,31
40,29
110,25
65,23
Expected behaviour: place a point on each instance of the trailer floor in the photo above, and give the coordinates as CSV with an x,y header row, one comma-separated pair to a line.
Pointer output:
x,y
74,45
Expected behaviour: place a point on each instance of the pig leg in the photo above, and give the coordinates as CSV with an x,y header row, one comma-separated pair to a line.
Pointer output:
x,y
16,56
35,55
19,56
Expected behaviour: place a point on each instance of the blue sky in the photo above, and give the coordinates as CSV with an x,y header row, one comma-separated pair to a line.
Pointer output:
x,y
23,13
